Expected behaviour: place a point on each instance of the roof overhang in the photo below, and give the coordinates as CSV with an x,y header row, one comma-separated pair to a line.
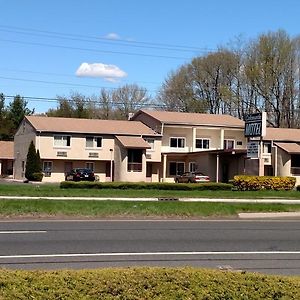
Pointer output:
x,y
290,148
133,142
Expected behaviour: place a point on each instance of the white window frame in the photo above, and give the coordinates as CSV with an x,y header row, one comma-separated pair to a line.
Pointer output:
x,y
47,171
94,142
206,139
177,138
226,143
177,162
62,136
192,166
90,163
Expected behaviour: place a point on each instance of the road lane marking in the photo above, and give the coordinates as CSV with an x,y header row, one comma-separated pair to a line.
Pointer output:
x,y
22,231
218,253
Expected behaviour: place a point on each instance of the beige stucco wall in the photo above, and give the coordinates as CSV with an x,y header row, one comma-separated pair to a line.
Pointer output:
x,y
121,172
215,135
23,137
283,163
77,149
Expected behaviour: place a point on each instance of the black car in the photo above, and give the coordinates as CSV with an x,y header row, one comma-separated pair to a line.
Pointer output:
x,y
79,174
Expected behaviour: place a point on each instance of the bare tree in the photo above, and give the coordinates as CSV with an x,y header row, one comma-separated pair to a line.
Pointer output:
x,y
129,99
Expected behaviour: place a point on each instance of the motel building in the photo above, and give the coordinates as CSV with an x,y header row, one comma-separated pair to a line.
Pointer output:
x,y
155,146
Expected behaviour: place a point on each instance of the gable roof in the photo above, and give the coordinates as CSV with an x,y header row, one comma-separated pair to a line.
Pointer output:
x,y
282,134
182,118
89,126
6,150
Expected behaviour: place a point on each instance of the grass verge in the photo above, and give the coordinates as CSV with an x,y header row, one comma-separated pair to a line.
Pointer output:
x,y
51,190
145,283
102,209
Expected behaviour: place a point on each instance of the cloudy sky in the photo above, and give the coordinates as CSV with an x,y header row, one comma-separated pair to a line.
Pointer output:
x,y
53,48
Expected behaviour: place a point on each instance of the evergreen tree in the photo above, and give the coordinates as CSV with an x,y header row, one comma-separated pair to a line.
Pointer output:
x,y
33,163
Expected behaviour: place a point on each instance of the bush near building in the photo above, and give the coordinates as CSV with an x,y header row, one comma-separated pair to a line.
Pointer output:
x,y
256,183
146,186
33,168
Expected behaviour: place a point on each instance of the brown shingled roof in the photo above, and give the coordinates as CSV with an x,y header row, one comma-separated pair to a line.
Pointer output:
x,y
133,142
282,134
92,126
6,150
168,117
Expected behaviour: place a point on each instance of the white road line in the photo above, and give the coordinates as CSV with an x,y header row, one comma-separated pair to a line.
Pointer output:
x,y
22,231
120,254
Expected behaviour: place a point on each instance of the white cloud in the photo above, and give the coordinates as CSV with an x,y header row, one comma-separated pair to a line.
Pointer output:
x,y
108,72
112,36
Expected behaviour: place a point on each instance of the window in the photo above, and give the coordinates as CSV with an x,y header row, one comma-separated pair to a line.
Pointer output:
x,y
93,142
62,141
90,165
228,144
176,168
135,159
239,143
202,143
192,166
23,166
177,142
47,168
267,148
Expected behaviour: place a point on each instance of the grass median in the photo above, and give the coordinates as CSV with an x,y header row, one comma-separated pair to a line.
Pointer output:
x,y
129,209
132,208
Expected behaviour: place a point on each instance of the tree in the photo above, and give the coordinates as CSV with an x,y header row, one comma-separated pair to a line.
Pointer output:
x,y
16,112
33,164
128,99
75,106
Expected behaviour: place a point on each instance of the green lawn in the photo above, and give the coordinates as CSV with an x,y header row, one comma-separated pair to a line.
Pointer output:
x,y
23,189
125,209
81,208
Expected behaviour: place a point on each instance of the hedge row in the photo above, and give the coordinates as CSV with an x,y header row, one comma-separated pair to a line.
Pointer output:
x,y
255,183
145,186
145,283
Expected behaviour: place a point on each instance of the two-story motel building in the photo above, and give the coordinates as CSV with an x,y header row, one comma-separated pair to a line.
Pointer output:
x,y
153,146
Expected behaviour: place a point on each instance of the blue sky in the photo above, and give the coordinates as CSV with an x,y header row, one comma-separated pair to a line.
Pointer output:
x,y
51,48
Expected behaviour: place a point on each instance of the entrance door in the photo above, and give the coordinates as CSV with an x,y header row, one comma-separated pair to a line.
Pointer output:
x,y
225,171
68,166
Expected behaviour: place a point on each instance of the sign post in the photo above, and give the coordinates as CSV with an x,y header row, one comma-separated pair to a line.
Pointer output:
x,y
255,127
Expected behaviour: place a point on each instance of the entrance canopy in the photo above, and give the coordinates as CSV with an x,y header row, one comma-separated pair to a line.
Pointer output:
x,y
290,148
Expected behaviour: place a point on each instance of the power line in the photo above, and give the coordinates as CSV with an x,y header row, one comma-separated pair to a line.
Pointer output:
x,y
123,42
63,83
93,50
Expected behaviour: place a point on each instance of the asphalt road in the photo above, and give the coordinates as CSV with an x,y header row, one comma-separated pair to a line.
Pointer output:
x,y
269,246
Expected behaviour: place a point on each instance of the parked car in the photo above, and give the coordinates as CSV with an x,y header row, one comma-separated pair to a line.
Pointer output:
x,y
192,177
79,174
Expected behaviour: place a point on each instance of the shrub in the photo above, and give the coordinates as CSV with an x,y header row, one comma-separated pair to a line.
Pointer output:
x,y
255,183
33,164
144,185
37,176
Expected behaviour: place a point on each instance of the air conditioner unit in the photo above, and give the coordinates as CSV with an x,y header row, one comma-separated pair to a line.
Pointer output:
x,y
93,154
61,154
267,160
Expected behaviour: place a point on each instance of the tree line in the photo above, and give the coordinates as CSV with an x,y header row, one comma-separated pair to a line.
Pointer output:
x,y
258,75
262,74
